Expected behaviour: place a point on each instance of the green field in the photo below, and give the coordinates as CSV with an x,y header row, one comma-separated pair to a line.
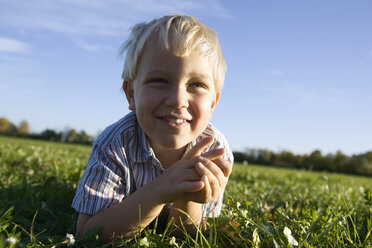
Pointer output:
x,y
262,204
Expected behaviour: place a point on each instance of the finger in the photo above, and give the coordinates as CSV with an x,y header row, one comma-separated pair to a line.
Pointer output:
x,y
217,179
191,186
200,169
209,168
224,165
211,190
190,175
199,147
207,189
214,153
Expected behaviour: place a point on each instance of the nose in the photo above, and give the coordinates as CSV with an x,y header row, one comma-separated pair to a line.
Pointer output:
x,y
177,97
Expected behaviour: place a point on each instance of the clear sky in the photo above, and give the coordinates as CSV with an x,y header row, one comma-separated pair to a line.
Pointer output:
x,y
299,72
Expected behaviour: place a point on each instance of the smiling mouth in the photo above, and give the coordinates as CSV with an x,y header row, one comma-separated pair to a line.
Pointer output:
x,y
175,122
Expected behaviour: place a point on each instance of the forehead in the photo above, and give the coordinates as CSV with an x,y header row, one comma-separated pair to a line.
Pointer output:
x,y
155,58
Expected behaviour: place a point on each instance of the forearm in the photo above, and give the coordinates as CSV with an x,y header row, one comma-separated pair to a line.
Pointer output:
x,y
194,218
126,218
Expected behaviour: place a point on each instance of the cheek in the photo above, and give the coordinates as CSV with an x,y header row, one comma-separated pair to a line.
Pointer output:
x,y
145,98
204,108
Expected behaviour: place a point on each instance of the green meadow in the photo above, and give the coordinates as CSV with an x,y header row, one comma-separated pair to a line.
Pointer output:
x,y
264,206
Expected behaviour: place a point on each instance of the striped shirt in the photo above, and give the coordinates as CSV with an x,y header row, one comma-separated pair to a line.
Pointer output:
x,y
122,161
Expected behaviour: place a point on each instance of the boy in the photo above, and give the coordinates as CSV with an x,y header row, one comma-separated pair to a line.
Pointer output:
x,y
164,155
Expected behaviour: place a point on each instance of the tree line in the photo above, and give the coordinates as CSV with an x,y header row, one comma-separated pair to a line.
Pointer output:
x,y
359,164
69,135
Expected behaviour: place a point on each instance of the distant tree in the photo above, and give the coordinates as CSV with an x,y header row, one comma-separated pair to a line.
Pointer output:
x,y
340,162
326,163
305,162
314,158
13,130
72,136
288,157
252,154
4,125
360,164
368,155
58,136
23,128
49,134
366,167
285,159
240,157
264,157
83,137
356,164
299,161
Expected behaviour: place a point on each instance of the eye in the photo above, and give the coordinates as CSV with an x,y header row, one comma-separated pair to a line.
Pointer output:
x,y
196,85
156,80
157,83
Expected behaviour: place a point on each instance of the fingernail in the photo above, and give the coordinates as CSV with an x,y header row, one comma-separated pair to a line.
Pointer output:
x,y
221,149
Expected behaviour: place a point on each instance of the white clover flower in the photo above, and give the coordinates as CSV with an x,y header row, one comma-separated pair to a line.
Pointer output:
x,y
348,191
12,240
244,212
325,187
144,242
256,239
276,244
291,240
71,239
361,189
173,242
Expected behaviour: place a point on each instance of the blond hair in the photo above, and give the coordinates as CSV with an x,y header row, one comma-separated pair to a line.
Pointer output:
x,y
179,34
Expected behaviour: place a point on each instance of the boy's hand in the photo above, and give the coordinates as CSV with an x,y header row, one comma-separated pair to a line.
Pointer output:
x,y
215,172
188,175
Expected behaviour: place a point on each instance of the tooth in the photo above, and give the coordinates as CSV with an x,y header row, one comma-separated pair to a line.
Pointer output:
x,y
177,121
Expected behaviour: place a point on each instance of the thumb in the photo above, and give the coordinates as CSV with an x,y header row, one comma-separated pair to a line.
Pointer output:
x,y
188,187
199,147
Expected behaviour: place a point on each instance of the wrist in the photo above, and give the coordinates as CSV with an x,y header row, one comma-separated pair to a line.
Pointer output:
x,y
183,203
157,192
188,212
194,209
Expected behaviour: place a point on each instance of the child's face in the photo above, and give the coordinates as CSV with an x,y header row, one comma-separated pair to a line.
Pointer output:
x,y
174,97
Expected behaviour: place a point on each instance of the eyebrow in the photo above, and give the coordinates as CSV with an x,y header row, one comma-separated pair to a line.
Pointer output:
x,y
154,72
200,75
191,74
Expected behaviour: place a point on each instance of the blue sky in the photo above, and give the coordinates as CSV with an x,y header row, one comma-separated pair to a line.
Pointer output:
x,y
299,72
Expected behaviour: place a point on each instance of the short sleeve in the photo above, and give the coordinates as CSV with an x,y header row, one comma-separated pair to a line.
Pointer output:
x,y
213,208
101,184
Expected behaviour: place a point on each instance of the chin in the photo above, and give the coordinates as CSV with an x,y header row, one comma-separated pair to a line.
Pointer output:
x,y
175,145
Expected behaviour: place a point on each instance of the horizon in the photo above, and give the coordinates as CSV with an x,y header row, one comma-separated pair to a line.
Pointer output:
x,y
299,74
245,150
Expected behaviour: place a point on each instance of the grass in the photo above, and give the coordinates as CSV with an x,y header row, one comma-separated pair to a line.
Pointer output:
x,y
264,206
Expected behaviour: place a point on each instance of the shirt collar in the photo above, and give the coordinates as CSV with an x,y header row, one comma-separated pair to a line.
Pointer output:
x,y
141,151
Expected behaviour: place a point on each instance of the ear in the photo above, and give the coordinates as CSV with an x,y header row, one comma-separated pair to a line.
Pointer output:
x,y
215,100
214,103
129,93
